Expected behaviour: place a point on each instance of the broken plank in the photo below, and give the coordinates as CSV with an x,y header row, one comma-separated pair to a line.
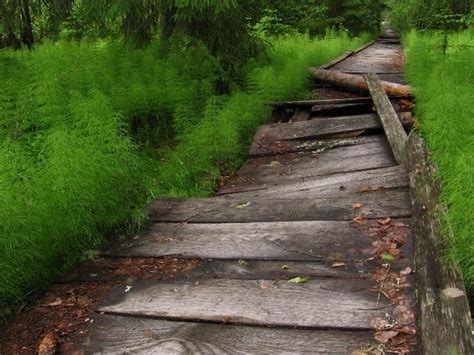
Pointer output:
x,y
444,317
116,335
321,127
330,185
346,109
291,241
266,171
300,115
394,130
321,303
382,203
311,103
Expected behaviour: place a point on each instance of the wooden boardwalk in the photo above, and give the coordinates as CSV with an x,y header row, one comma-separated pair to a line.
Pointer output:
x,y
307,249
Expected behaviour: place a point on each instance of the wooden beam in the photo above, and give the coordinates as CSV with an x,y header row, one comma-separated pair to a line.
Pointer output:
x,y
115,335
444,315
394,130
346,55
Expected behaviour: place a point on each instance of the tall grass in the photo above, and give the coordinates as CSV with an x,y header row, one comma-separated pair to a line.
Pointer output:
x,y
90,131
444,89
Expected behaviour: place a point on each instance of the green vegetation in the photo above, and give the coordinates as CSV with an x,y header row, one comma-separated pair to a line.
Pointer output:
x,y
444,90
89,131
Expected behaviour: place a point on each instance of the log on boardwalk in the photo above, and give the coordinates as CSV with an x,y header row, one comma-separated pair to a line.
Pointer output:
x,y
320,303
445,319
357,82
115,335
394,130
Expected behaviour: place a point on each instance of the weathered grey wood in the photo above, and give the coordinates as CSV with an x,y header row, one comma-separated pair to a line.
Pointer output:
x,y
106,269
292,241
311,103
125,335
299,145
347,109
346,55
321,303
394,130
321,127
445,319
330,185
381,203
267,171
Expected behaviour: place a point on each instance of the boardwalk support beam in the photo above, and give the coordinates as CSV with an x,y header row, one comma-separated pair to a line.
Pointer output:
x,y
394,130
444,315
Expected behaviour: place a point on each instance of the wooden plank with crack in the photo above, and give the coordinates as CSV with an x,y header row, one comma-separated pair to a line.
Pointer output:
x,y
320,303
290,241
445,319
393,128
321,127
379,204
115,334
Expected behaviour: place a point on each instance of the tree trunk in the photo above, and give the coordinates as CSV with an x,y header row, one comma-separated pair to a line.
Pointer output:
x,y
27,29
356,82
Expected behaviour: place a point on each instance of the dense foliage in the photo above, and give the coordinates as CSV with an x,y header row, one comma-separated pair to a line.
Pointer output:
x,y
444,15
444,89
89,131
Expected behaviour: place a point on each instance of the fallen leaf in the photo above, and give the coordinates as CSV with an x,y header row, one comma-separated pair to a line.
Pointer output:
x,y
384,336
380,324
300,280
58,302
364,189
452,292
384,221
48,345
275,164
241,205
285,267
357,205
359,220
336,265
403,315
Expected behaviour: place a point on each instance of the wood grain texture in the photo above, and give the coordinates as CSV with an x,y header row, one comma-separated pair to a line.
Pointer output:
x,y
445,319
321,303
393,128
381,203
293,241
346,55
321,127
327,185
311,103
120,335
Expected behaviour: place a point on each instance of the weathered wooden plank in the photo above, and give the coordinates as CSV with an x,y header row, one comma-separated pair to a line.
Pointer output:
x,y
119,335
346,55
267,171
381,203
330,185
107,269
321,303
292,241
346,109
321,127
445,319
311,103
394,130
298,145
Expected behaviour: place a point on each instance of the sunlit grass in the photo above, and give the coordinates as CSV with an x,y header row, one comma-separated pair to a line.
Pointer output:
x,y
444,89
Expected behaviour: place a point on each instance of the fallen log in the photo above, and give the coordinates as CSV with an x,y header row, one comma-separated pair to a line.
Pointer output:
x,y
356,82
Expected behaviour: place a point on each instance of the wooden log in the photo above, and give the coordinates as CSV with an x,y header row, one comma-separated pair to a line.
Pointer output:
x,y
119,335
311,103
394,130
320,303
356,82
444,316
